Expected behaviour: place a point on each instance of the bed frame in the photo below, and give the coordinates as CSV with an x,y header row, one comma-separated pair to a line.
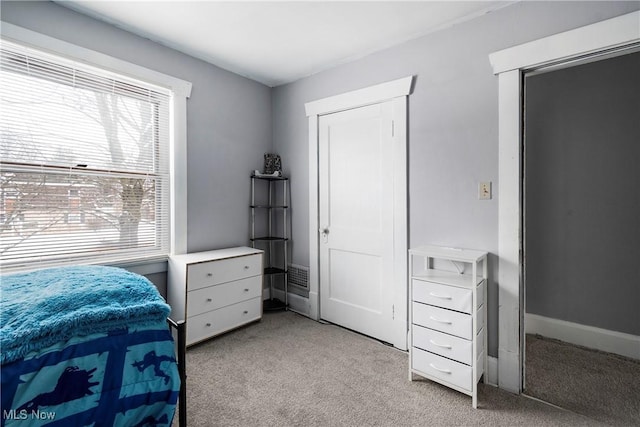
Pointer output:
x,y
181,330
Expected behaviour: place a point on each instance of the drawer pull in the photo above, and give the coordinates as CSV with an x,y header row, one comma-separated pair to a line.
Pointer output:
x,y
245,312
447,322
209,274
246,289
440,345
208,325
246,267
209,300
439,296
444,371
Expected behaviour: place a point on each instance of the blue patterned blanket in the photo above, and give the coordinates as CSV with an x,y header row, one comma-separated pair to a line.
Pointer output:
x,y
85,346
124,378
43,307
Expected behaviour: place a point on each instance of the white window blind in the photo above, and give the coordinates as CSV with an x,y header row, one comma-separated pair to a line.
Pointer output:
x,y
84,162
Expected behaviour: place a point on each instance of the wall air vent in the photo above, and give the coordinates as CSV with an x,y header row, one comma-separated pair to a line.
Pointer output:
x,y
298,276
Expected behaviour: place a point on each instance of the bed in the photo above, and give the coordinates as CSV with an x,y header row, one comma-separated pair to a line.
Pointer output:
x,y
87,345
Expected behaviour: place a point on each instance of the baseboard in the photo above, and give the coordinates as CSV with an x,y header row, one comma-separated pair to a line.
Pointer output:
x,y
492,371
313,305
297,303
587,336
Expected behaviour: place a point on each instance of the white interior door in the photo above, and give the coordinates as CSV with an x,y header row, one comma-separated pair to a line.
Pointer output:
x,y
356,209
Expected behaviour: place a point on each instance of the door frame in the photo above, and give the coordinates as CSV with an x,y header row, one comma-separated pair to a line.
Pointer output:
x,y
510,65
396,91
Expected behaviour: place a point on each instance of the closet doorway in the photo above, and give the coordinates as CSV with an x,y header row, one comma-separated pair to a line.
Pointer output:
x,y
581,204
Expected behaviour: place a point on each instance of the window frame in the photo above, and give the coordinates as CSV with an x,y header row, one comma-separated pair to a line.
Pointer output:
x,y
180,92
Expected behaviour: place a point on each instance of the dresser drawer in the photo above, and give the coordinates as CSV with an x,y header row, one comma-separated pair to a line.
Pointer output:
x,y
217,296
209,273
223,319
443,344
451,297
448,321
442,368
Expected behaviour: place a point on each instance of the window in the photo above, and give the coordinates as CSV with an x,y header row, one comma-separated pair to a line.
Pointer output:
x,y
85,157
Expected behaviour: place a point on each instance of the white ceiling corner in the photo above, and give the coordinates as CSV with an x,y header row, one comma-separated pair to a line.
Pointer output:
x,y
279,42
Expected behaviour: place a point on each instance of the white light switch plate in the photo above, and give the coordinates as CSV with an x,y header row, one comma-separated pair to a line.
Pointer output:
x,y
484,190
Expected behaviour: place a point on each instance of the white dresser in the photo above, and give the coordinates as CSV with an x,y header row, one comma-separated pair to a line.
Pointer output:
x,y
215,291
448,317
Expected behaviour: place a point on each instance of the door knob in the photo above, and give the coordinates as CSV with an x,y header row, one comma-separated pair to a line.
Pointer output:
x,y
325,234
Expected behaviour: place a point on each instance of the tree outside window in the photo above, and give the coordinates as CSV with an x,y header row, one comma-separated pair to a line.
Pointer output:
x,y
81,162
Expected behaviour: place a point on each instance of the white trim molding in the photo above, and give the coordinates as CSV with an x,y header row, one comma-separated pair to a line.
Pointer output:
x,y
360,98
396,91
509,65
587,336
616,32
180,90
297,303
178,179
492,371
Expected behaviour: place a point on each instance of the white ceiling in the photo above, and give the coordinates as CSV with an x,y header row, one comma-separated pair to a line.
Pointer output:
x,y
280,42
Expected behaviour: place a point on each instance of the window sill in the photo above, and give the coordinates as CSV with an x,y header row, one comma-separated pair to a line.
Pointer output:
x,y
143,266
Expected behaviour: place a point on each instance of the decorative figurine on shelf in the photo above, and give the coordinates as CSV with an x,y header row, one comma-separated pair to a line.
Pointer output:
x,y
272,164
272,167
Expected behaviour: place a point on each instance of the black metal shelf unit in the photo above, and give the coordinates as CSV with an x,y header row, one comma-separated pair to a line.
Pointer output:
x,y
271,210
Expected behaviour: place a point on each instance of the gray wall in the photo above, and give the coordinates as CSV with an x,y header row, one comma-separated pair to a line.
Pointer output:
x,y
582,194
228,118
453,123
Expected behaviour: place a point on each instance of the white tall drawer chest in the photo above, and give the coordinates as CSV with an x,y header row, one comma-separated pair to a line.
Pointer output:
x,y
448,317
215,291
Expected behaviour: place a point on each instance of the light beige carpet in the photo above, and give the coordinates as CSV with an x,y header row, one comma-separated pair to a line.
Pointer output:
x,y
603,386
288,370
